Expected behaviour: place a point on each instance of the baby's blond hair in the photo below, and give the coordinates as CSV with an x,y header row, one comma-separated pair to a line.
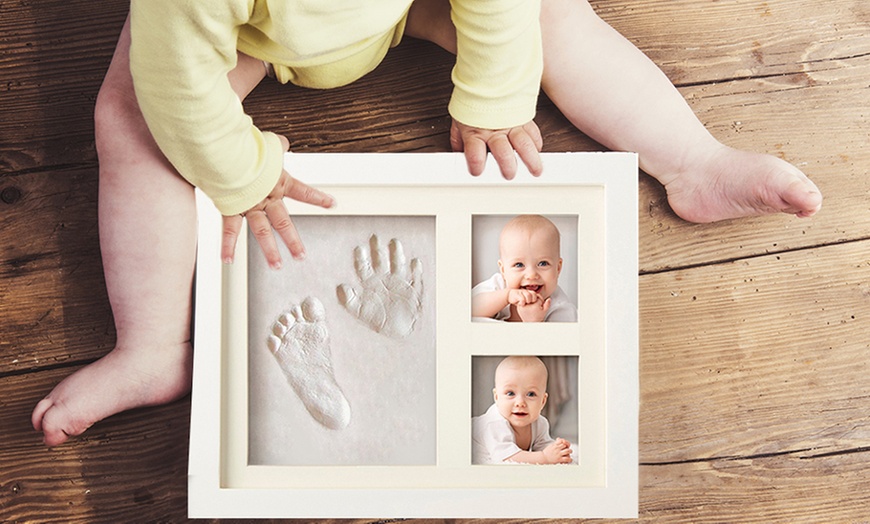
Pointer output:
x,y
522,362
530,223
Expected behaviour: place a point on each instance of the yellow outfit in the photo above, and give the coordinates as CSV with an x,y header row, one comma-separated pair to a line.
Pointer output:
x,y
182,51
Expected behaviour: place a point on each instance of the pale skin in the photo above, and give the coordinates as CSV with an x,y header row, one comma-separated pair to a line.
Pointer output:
x,y
520,393
618,98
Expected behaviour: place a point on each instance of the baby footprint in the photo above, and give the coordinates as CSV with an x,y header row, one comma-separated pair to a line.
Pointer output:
x,y
300,343
388,299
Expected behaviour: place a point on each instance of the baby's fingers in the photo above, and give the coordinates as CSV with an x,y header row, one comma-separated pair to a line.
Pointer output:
x,y
306,194
475,155
503,153
527,142
262,231
232,225
469,141
283,225
527,297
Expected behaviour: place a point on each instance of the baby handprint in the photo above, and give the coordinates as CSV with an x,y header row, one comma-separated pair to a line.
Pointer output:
x,y
389,297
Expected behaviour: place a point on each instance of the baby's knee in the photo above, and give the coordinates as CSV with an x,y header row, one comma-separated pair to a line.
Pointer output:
x,y
113,106
120,130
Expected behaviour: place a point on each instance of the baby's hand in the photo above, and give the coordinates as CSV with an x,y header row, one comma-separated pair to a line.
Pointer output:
x,y
522,297
559,452
525,140
535,311
272,213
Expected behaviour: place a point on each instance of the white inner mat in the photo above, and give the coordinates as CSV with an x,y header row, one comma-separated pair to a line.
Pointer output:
x,y
389,382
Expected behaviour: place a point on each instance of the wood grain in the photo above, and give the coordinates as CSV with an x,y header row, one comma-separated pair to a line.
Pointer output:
x,y
757,356
793,488
54,56
128,468
754,379
52,294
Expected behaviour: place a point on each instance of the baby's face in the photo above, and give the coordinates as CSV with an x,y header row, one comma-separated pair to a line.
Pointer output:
x,y
520,395
530,260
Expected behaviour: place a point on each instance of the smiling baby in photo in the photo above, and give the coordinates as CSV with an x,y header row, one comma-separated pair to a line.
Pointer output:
x,y
526,288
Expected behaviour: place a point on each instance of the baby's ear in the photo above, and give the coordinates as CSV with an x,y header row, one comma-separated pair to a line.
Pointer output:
x,y
560,265
546,396
494,395
500,267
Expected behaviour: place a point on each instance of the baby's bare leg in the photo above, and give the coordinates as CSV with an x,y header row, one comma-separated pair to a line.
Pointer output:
x,y
610,90
147,220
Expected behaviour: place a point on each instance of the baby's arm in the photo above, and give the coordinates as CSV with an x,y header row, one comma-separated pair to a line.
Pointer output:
x,y
559,452
179,58
497,78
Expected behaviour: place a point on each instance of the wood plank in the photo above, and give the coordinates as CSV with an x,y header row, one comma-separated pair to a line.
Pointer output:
x,y
52,293
707,42
128,468
54,55
757,356
796,488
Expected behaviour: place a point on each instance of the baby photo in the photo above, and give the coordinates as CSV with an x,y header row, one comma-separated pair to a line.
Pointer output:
x,y
524,410
524,268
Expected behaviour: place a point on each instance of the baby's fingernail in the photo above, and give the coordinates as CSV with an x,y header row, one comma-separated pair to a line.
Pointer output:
x,y
300,255
275,265
228,260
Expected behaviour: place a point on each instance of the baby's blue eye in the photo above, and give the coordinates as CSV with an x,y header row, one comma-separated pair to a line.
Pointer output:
x,y
543,263
532,394
519,265
509,393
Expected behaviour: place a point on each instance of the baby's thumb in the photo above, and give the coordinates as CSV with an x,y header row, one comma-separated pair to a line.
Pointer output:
x,y
456,142
546,306
285,143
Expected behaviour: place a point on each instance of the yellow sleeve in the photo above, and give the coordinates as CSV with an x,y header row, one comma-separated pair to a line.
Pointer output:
x,y
180,55
499,62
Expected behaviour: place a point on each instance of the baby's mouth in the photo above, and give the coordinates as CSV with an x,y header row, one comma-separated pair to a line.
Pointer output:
x,y
533,288
520,414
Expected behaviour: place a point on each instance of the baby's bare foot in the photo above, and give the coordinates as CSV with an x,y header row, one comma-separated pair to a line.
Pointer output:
x,y
124,379
300,344
733,184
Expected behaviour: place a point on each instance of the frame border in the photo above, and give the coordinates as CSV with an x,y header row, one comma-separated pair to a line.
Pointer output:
x,y
616,173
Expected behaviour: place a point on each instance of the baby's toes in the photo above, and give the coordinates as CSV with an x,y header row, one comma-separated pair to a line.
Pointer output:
x,y
273,343
39,413
296,312
283,324
279,330
312,310
57,426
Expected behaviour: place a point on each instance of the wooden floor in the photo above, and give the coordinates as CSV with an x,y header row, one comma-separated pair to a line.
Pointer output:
x,y
755,334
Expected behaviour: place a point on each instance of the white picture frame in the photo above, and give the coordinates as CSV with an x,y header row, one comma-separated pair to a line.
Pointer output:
x,y
599,189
